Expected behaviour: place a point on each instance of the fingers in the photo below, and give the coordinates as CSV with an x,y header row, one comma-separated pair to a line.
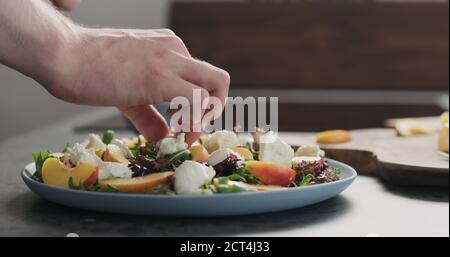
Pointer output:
x,y
191,137
216,81
147,121
176,87
66,5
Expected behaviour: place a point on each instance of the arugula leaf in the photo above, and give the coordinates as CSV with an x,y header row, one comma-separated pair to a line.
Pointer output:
x,y
149,150
336,174
108,136
306,180
110,189
177,158
95,187
81,186
39,159
65,148
245,174
207,184
254,153
236,177
71,185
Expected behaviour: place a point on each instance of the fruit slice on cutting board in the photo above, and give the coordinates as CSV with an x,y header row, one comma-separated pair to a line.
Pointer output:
x,y
443,139
334,137
271,173
409,127
113,153
138,184
58,174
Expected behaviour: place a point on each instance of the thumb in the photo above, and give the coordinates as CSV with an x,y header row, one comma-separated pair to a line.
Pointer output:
x,y
147,121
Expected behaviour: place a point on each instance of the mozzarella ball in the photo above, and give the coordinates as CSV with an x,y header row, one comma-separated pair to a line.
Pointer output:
x,y
171,145
221,139
310,150
190,176
273,149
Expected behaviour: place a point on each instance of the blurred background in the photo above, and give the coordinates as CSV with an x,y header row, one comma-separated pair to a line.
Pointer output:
x,y
333,63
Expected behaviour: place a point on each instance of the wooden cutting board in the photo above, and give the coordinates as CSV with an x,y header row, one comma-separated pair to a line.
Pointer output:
x,y
380,152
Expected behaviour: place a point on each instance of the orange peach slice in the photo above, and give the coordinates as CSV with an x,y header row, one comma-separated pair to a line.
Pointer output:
x,y
443,139
244,152
410,127
271,173
199,153
58,174
334,137
113,153
138,184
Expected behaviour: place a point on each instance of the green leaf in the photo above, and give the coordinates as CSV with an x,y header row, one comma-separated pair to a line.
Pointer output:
x,y
110,189
223,180
177,158
247,176
39,159
207,184
108,136
306,180
71,185
236,177
65,148
149,150
254,153
81,186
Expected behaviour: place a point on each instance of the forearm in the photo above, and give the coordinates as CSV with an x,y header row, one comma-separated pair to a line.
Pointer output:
x,y
32,33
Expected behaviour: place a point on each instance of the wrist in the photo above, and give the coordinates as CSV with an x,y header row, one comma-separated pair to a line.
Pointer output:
x,y
52,58
36,38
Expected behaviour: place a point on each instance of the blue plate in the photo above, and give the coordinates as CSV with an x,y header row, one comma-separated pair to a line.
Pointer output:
x,y
202,205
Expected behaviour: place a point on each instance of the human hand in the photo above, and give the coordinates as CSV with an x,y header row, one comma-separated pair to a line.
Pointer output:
x,y
128,69
132,69
66,5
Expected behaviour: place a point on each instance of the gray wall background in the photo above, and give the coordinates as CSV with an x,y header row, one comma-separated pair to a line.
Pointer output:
x,y
25,105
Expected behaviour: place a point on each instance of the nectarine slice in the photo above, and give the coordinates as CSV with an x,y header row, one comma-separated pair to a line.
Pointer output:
x,y
244,152
271,173
113,153
199,153
58,174
334,137
137,184
443,139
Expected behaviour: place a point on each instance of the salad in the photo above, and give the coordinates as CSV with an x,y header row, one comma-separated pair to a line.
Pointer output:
x,y
221,162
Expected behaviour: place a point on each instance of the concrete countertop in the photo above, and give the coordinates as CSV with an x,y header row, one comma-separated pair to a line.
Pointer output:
x,y
368,208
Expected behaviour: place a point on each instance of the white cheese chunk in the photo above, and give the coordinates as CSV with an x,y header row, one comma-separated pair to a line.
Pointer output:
x,y
171,145
296,161
115,170
273,149
221,139
310,150
245,139
79,153
123,147
94,142
222,154
106,169
190,176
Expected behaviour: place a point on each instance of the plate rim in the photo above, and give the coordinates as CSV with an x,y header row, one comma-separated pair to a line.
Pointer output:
x,y
26,177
